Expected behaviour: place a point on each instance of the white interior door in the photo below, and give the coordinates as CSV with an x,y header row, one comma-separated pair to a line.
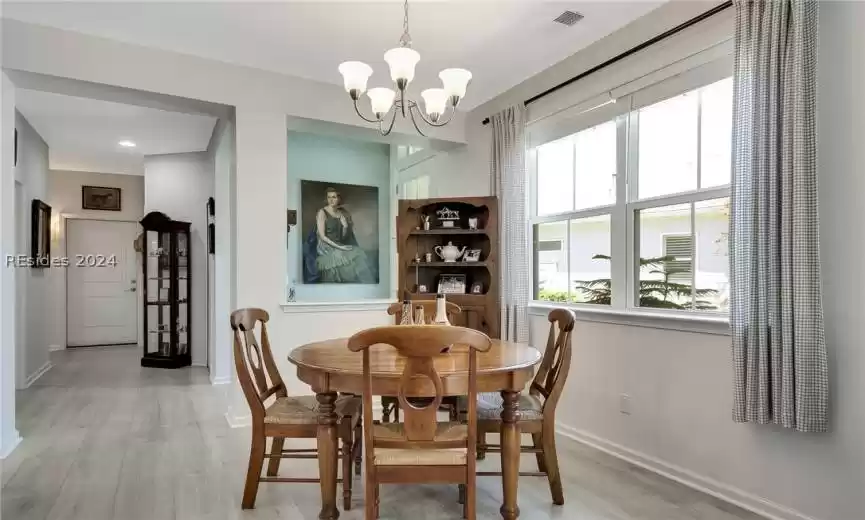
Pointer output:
x,y
101,283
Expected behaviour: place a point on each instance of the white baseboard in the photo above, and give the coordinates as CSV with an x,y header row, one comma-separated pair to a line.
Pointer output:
x,y
216,381
7,450
36,375
719,490
55,348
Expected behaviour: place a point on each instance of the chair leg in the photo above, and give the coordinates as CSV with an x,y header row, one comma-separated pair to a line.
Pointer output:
x,y
471,498
369,507
482,439
385,411
537,442
377,500
253,472
275,448
551,460
358,447
347,459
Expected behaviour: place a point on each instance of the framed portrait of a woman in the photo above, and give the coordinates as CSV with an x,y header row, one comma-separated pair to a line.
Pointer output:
x,y
340,233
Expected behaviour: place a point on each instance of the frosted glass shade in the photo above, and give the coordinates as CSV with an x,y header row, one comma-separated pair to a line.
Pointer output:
x,y
355,75
455,81
434,100
381,99
402,61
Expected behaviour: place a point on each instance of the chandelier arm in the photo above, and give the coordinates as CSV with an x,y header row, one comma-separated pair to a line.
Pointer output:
x,y
413,104
413,121
389,127
368,120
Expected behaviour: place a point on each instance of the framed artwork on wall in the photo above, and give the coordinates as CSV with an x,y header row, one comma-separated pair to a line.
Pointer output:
x,y
100,198
40,233
339,232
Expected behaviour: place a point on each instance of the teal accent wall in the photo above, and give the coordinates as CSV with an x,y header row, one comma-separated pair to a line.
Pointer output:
x,y
339,160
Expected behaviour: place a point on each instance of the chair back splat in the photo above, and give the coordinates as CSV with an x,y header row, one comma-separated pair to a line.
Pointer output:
x,y
253,360
553,371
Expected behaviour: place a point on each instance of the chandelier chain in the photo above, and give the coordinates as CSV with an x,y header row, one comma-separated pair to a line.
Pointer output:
x,y
405,40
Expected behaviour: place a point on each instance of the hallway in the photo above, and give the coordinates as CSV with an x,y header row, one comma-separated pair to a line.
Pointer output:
x,y
105,439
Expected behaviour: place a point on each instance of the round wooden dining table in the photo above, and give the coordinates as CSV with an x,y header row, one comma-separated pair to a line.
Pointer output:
x,y
329,367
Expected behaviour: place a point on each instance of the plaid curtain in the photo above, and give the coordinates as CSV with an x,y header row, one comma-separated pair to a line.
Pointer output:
x,y
776,315
508,183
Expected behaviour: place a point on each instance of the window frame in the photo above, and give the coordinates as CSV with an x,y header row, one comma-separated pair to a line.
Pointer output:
x,y
624,246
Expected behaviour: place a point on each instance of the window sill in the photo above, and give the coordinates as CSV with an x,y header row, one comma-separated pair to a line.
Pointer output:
x,y
700,323
377,305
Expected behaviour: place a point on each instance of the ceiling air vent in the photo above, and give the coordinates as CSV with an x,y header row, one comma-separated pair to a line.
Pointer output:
x,y
568,18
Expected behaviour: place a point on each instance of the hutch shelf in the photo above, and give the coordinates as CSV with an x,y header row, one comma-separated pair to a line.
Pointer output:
x,y
469,224
166,292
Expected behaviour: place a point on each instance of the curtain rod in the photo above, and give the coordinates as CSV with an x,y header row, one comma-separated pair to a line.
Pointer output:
x,y
679,28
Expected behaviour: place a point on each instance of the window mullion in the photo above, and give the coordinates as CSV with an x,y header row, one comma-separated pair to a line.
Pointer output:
x,y
571,289
699,139
618,220
573,174
693,257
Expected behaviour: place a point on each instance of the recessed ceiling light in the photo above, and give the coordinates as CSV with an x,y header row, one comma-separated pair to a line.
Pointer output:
x,y
127,144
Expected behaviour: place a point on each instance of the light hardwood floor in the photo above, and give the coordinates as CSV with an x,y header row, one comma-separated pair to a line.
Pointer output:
x,y
105,439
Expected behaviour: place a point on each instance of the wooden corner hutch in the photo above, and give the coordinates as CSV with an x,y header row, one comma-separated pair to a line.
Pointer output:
x,y
166,292
480,311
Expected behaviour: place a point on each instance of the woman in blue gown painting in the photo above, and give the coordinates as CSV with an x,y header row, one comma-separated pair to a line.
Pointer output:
x,y
333,246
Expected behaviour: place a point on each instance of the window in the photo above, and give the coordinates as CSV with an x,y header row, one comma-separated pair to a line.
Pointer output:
x,y
576,190
640,204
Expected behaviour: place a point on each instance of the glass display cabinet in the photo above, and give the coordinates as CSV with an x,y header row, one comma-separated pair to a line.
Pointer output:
x,y
166,292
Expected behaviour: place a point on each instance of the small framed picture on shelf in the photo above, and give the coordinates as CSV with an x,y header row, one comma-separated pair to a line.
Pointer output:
x,y
477,288
422,289
452,284
472,255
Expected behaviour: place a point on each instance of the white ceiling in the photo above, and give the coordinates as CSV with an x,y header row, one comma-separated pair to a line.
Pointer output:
x,y
83,134
502,42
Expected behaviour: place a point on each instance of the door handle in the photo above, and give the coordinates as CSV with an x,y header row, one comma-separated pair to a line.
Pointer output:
x,y
131,289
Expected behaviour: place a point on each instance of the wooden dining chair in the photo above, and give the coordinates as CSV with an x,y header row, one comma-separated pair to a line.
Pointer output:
x,y
390,404
421,449
538,407
279,416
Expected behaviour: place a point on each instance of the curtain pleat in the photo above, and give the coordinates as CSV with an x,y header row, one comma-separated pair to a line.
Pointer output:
x,y
776,314
508,183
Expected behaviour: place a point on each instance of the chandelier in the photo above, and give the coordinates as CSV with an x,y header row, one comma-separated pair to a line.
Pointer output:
x,y
385,102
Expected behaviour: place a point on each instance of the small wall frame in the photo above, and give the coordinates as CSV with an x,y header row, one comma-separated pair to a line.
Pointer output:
x,y
100,198
40,234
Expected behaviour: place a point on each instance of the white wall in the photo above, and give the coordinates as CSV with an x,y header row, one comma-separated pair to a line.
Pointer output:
x,y
9,437
462,171
31,172
222,155
680,382
64,197
179,186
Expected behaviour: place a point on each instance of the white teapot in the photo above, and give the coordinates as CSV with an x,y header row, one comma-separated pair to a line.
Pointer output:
x,y
450,252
